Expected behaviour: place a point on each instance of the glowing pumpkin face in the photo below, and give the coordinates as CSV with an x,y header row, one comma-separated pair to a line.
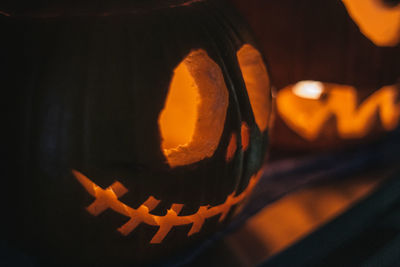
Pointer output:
x,y
146,130
336,67
308,105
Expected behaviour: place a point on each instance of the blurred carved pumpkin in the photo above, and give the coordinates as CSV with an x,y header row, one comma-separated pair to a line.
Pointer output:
x,y
143,126
335,65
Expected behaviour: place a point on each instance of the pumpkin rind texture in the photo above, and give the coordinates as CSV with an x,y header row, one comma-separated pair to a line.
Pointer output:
x,y
95,180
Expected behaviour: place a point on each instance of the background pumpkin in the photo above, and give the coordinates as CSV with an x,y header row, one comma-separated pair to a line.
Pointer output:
x,y
353,56
91,85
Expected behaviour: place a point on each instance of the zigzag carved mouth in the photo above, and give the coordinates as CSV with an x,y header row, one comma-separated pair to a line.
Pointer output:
x,y
108,199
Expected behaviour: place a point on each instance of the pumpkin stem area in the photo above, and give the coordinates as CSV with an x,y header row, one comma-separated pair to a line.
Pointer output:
x,y
193,118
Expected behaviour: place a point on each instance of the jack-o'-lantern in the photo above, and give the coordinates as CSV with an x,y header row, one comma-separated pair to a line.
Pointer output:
x,y
144,127
335,65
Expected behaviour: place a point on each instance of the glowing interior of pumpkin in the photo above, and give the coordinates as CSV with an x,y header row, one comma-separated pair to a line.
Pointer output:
x,y
178,120
378,22
257,83
245,134
302,108
232,147
308,89
193,118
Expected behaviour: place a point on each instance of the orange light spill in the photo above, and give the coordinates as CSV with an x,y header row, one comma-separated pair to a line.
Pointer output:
x,y
231,150
108,199
256,79
379,23
307,116
245,133
296,215
193,117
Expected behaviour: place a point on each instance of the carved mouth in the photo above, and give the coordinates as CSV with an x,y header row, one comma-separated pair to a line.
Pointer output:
x,y
108,199
301,108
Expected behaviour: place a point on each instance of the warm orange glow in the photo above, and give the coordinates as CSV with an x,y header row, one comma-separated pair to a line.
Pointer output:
x,y
307,116
104,198
231,150
108,199
296,215
308,89
178,119
193,117
379,23
256,78
245,133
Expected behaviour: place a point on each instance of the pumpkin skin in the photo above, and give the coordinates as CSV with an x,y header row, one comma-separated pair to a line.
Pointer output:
x,y
319,41
94,85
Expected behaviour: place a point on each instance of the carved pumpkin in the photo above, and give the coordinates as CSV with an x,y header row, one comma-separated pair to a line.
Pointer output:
x,y
335,65
144,127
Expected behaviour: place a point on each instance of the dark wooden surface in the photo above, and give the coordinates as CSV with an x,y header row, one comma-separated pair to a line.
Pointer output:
x,y
367,234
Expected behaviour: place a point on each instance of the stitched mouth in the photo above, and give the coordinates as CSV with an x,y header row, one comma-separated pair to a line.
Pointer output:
x,y
109,199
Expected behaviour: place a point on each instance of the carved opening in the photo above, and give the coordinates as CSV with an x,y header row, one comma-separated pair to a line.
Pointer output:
x,y
378,21
245,133
301,107
109,199
231,150
257,82
193,118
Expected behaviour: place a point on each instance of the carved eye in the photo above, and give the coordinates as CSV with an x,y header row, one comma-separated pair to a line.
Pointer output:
x,y
193,118
257,84
378,20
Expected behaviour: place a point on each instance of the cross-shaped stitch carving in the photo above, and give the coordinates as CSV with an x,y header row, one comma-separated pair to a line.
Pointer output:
x,y
109,199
